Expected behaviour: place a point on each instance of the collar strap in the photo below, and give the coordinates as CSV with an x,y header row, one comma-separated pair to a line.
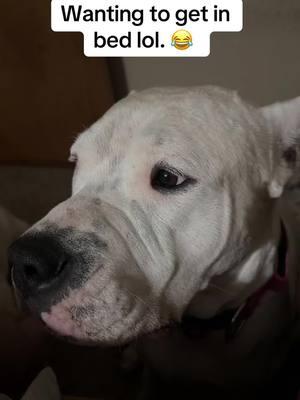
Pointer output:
x,y
232,320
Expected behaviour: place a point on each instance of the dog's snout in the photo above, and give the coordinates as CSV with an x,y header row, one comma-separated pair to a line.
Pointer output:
x,y
37,263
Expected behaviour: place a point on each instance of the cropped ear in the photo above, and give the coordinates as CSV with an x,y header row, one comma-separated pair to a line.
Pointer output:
x,y
284,121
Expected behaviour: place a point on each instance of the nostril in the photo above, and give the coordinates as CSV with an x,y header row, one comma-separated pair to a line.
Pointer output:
x,y
60,267
38,262
31,272
39,273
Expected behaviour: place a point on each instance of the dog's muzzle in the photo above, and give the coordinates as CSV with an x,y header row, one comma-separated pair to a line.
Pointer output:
x,y
38,264
44,267
80,289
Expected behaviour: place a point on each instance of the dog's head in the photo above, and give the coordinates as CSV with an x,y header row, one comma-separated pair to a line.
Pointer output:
x,y
172,188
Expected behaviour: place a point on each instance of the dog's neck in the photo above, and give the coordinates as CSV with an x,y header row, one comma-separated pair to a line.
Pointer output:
x,y
234,287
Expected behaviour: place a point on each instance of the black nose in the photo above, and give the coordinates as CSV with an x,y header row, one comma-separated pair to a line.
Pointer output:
x,y
38,262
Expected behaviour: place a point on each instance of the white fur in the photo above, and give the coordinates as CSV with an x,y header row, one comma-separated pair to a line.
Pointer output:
x,y
196,252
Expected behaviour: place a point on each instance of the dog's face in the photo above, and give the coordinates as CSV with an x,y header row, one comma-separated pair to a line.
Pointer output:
x,y
171,188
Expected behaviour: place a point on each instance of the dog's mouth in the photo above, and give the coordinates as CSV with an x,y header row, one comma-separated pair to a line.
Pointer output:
x,y
59,335
63,325
79,339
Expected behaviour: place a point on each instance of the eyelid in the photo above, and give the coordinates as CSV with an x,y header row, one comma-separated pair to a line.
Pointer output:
x,y
164,165
173,170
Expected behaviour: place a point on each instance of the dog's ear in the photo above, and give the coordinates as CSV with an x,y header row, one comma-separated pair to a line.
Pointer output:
x,y
284,121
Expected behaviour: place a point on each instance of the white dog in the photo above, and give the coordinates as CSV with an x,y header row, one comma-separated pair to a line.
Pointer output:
x,y
176,215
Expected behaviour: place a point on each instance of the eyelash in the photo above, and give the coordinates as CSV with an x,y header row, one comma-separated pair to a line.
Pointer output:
x,y
186,180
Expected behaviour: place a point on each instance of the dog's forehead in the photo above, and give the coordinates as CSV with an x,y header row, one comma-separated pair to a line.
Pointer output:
x,y
208,122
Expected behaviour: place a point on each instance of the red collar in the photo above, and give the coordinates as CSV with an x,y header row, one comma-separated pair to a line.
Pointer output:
x,y
231,321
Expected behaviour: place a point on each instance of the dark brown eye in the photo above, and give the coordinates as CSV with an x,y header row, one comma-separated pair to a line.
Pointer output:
x,y
165,179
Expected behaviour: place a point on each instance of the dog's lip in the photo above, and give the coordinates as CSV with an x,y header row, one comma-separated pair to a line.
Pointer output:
x,y
156,334
66,338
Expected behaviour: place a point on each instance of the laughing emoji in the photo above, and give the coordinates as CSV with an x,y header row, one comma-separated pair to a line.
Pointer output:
x,y
182,40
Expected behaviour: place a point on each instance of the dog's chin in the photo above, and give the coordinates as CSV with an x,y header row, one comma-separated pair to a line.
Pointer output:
x,y
64,328
83,340
77,333
70,331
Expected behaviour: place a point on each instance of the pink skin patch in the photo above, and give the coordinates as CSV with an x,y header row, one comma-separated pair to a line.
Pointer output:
x,y
102,312
60,318
61,323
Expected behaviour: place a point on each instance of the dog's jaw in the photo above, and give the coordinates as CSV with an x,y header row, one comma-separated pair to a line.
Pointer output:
x,y
231,289
108,317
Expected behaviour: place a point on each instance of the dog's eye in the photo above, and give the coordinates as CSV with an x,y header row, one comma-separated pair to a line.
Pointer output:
x,y
165,179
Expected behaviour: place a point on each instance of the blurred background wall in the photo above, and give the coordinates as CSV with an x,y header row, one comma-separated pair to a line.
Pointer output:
x,y
262,62
51,92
